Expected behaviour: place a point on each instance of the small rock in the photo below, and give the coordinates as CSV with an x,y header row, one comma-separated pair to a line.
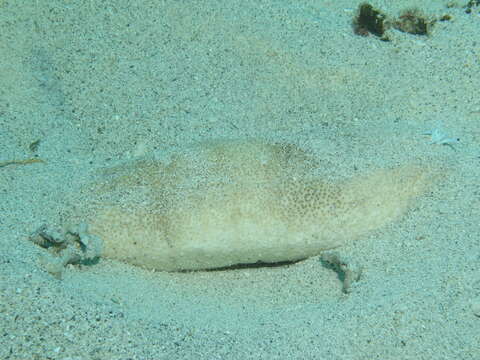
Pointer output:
x,y
475,306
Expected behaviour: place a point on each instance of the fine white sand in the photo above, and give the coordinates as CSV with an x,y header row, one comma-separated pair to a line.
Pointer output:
x,y
99,82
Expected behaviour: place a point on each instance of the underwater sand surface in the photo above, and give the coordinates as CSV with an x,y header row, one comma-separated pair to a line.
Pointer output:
x,y
89,86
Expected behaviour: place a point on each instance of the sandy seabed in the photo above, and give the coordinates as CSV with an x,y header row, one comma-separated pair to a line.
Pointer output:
x,y
90,84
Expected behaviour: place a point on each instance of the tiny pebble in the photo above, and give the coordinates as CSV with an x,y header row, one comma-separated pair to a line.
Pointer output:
x,y
476,308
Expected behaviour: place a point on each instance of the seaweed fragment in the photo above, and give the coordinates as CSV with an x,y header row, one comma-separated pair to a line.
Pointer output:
x,y
21,162
369,21
34,145
471,5
413,21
